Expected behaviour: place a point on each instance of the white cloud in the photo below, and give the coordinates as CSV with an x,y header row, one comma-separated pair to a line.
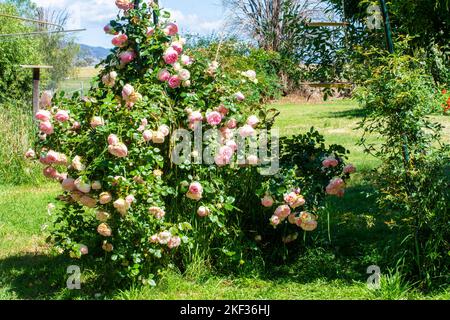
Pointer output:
x,y
194,23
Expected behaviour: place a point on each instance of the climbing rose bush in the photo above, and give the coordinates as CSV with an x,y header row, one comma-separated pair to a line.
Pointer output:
x,y
125,198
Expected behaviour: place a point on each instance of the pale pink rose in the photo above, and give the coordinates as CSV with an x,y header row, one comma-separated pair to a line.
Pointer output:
x,y
246,131
283,212
127,91
43,115
267,201
109,30
158,137
84,250
122,206
88,202
154,239
109,79
174,242
68,184
46,127
290,198
120,40
76,125
223,110
102,216
224,156
177,67
164,129
108,247
52,157
104,230
119,150
164,237
30,154
336,187
157,212
97,122
46,99
252,160
203,212
186,60
253,121
292,219
51,173
170,56
214,118
177,46
194,196
96,185
195,188
127,56
186,84
300,201
77,164
174,82
232,144
226,133
82,185
130,199
330,162
150,31
195,116
232,124
184,74
147,135
113,139
62,116
171,29
239,96
125,4
275,221
349,169
164,75
105,198
309,225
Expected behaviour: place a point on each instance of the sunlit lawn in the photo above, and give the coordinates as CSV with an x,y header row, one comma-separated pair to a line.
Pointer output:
x,y
28,271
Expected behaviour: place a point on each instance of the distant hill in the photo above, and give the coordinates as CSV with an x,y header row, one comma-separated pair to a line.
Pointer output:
x,y
90,56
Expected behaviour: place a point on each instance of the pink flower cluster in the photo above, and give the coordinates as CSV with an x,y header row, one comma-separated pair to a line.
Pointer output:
x,y
117,148
171,57
166,238
195,191
130,95
336,187
330,162
125,4
120,41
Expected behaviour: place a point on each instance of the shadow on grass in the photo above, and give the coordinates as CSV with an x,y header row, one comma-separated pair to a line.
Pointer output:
x,y
350,114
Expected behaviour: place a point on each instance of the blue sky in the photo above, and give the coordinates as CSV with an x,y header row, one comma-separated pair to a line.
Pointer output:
x,y
194,16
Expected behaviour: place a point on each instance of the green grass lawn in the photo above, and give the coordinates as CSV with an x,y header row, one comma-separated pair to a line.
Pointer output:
x,y
359,235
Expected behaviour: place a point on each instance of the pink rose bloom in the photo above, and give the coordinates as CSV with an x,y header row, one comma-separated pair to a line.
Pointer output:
x,y
194,196
195,188
88,202
246,131
232,124
52,157
125,4
186,60
109,29
223,110
97,122
96,185
292,219
186,84
62,116
150,31
130,199
170,56
109,79
105,198
84,250
203,212
177,46
174,242
127,91
122,206
164,129
46,99
335,187
157,212
283,211
158,137
120,40
147,135
253,121
171,29
239,96
309,225
113,139
46,127
82,186
214,118
127,56
164,75
164,237
154,239
275,221
104,230
233,145
119,150
43,115
252,160
30,154
76,125
267,201
174,82
184,74
224,156
226,133
290,198
349,169
51,173
330,162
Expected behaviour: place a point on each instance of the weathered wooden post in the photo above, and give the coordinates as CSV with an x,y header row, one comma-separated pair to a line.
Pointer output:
x,y
36,81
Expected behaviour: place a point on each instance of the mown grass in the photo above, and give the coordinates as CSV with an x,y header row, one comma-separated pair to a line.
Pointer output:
x,y
80,81
336,270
